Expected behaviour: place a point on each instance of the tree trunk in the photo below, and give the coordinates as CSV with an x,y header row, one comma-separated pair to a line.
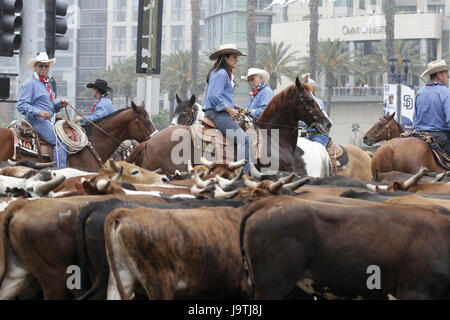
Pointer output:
x,y
313,37
183,90
171,104
390,25
273,81
329,81
251,34
195,43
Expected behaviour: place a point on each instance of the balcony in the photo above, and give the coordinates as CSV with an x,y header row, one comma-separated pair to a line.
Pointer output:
x,y
354,94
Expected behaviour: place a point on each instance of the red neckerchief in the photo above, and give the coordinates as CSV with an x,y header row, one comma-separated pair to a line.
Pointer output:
x,y
434,83
45,81
93,107
253,94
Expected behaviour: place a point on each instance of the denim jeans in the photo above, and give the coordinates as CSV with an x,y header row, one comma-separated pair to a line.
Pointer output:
x,y
323,139
45,129
444,139
224,122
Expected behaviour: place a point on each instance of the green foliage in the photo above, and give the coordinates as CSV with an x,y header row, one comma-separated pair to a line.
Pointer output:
x,y
278,60
162,119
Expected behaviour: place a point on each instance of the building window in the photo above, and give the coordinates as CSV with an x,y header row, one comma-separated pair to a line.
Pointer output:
x,y
203,9
432,49
362,4
120,10
177,33
120,38
163,38
178,9
440,8
133,38
261,4
263,29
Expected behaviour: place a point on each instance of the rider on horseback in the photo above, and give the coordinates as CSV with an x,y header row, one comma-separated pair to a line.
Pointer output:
x,y
103,105
432,112
313,134
260,91
37,102
219,106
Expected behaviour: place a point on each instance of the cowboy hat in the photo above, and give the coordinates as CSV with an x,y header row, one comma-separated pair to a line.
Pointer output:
x,y
435,67
41,57
226,49
252,71
306,78
100,84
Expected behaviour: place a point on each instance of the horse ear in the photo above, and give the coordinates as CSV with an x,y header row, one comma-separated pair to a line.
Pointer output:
x,y
178,99
192,101
391,116
135,107
299,85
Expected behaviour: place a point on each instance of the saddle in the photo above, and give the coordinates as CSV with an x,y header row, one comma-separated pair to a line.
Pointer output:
x,y
28,143
338,156
440,155
207,139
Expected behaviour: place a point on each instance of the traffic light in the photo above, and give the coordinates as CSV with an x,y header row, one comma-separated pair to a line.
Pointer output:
x,y
55,26
9,24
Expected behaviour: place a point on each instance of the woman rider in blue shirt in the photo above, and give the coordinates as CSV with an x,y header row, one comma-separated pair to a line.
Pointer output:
x,y
103,105
219,106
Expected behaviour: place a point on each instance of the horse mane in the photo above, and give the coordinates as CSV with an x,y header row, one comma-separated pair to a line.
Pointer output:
x,y
281,100
398,124
88,125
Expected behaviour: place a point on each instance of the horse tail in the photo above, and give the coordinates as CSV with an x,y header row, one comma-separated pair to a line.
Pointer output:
x,y
137,154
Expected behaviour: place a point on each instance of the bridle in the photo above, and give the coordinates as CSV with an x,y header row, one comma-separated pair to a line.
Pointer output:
x,y
386,127
141,126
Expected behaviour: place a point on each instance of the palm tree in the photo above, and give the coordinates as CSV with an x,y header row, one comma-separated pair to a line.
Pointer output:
x,y
332,61
195,43
278,60
390,27
313,36
251,34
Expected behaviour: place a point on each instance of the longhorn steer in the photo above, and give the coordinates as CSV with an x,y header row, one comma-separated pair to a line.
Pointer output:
x,y
326,249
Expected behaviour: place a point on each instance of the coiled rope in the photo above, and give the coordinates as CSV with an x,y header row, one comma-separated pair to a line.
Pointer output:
x,y
73,146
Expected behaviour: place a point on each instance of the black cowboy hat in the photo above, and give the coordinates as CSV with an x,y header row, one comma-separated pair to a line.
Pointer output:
x,y
100,84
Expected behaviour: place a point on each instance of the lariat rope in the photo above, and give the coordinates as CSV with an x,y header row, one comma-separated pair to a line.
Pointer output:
x,y
73,146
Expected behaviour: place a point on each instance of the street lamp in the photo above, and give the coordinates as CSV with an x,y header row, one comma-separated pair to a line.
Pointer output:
x,y
399,77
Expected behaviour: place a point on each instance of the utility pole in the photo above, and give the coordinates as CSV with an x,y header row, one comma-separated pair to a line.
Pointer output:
x,y
28,48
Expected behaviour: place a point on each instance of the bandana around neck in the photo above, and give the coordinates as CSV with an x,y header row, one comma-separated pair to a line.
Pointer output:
x,y
258,89
98,99
433,83
44,81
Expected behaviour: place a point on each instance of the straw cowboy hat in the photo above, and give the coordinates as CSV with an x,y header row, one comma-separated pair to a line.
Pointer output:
x,y
252,71
306,78
100,84
226,49
41,57
435,67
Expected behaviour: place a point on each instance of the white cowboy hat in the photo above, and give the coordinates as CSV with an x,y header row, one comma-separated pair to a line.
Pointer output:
x,y
41,57
229,48
306,78
252,71
435,67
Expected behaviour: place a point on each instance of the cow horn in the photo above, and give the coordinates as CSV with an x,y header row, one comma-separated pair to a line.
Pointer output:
x,y
375,188
275,186
236,164
251,184
45,187
415,178
190,169
205,162
220,194
43,165
114,165
196,191
288,178
297,184
158,171
441,176
223,183
199,182
12,163
118,176
102,185
255,173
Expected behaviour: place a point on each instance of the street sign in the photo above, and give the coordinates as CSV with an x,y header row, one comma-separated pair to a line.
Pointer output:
x,y
149,30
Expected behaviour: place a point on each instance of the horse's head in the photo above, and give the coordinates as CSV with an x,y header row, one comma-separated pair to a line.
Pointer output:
x,y
309,110
142,128
186,111
383,129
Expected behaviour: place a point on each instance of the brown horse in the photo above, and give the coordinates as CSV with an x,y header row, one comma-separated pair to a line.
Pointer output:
x,y
398,154
384,129
282,113
130,123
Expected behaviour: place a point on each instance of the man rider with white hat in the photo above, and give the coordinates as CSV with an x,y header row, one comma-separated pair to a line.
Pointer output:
x,y
260,91
37,103
432,112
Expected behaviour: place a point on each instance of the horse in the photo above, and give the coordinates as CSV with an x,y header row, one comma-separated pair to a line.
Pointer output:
x,y
384,129
129,123
314,157
398,154
187,112
283,113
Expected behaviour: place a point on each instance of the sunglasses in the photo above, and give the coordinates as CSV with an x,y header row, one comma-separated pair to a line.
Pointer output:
x,y
43,66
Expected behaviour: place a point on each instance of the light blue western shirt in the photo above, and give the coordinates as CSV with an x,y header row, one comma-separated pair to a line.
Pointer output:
x,y
433,108
258,103
219,94
103,107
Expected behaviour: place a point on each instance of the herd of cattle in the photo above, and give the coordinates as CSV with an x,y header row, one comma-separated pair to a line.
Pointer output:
x,y
215,233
